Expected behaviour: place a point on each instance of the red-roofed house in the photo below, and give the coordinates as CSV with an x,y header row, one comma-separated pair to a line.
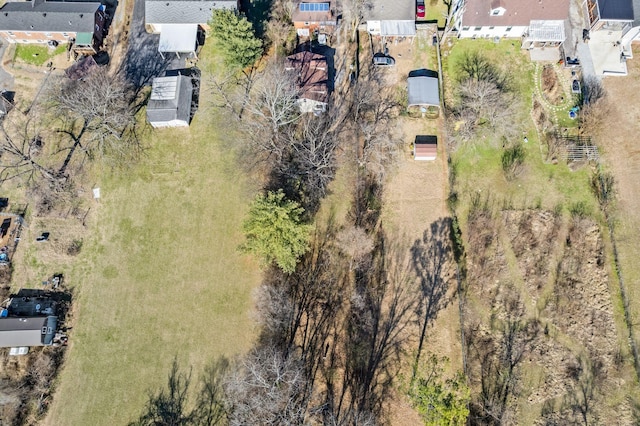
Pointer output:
x,y
312,79
310,16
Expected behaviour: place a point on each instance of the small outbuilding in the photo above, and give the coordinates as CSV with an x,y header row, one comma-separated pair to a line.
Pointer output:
x,y
424,90
425,148
27,331
170,101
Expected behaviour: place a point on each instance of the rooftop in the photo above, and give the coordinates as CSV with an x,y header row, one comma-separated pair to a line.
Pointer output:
x,y
392,10
547,31
170,99
616,10
27,331
517,12
183,11
423,90
45,16
313,75
312,11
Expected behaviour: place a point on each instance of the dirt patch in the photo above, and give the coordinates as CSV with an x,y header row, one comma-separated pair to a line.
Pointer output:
x,y
539,318
532,235
551,86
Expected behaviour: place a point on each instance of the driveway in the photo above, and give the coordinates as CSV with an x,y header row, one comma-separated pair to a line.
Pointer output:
x,y
6,79
143,62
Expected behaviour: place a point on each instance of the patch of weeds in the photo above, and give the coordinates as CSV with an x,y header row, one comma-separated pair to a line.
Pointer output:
x,y
74,248
580,210
557,209
512,160
602,185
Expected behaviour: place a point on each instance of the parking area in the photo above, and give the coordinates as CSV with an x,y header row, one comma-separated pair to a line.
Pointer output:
x,y
409,53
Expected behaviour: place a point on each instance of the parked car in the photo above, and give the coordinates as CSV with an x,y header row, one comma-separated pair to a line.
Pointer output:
x,y
380,60
420,9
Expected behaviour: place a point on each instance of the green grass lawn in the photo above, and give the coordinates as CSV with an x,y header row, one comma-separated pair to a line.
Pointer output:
x,y
36,54
161,276
436,10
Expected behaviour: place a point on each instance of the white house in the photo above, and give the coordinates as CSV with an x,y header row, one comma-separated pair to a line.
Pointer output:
x,y
505,18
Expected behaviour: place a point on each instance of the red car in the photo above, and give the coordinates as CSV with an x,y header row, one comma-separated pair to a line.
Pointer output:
x,y
420,10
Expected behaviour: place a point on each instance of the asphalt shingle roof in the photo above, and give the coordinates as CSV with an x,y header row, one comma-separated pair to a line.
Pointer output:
x,y
170,99
183,11
48,16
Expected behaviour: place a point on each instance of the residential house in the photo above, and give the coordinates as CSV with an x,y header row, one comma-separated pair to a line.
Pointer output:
x,y
39,21
27,331
505,18
170,101
392,18
613,25
179,21
312,79
314,16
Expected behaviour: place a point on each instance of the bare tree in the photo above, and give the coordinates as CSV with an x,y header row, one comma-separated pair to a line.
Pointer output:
x,y
267,390
372,109
21,149
355,11
96,114
355,243
498,359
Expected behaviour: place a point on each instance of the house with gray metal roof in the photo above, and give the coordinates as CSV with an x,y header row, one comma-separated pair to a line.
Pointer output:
x,y
27,331
423,89
170,101
392,18
39,21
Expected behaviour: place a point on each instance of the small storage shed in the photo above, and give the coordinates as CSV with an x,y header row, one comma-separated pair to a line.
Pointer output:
x,y
170,102
423,89
425,148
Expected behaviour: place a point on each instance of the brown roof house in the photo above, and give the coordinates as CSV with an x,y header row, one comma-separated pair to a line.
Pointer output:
x,y
542,24
314,16
312,80
505,18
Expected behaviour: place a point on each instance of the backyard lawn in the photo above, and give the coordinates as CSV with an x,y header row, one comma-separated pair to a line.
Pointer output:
x,y
544,189
37,54
161,275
